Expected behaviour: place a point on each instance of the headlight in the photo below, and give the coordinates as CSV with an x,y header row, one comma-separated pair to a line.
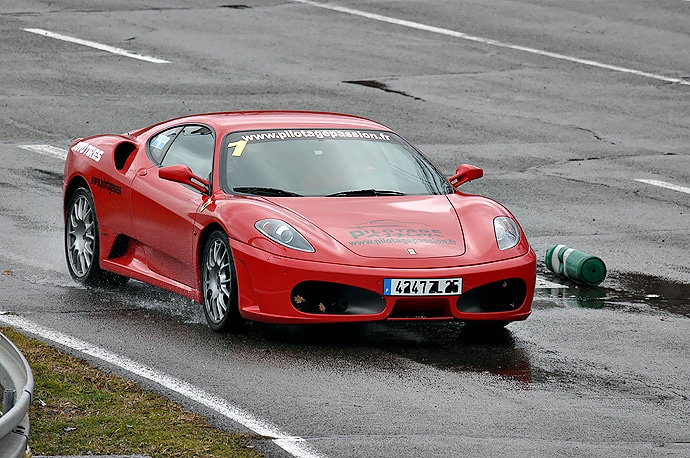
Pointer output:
x,y
507,232
281,232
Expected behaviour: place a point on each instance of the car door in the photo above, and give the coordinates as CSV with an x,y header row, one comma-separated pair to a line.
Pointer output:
x,y
163,211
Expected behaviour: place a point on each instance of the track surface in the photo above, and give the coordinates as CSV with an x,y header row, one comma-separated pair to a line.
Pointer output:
x,y
566,105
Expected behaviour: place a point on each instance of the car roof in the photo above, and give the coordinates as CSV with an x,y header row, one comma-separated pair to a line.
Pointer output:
x,y
224,122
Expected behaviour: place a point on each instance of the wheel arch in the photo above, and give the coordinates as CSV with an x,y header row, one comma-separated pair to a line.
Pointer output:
x,y
74,184
203,238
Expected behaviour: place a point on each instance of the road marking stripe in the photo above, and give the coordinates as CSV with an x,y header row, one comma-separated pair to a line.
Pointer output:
x,y
46,150
663,184
543,283
294,445
488,41
102,47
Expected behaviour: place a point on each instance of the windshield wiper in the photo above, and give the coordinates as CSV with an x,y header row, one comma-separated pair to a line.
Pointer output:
x,y
366,192
262,191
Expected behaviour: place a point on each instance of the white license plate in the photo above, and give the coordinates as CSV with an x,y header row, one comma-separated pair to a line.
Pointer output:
x,y
422,286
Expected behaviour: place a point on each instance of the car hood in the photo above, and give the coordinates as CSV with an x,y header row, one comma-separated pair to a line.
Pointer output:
x,y
386,227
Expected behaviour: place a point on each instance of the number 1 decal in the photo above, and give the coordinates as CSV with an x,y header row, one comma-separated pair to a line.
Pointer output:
x,y
239,147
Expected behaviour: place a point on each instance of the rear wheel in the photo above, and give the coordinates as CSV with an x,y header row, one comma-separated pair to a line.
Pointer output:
x,y
82,243
219,284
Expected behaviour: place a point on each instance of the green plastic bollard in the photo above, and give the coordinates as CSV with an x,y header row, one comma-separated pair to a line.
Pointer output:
x,y
575,265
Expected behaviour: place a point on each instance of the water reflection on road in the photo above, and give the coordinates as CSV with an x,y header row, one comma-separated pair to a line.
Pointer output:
x,y
620,291
443,345
447,346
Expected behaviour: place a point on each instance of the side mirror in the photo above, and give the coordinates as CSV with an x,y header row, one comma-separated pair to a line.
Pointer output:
x,y
184,175
465,173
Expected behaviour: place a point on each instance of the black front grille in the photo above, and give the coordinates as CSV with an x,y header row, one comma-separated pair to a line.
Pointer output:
x,y
320,297
500,296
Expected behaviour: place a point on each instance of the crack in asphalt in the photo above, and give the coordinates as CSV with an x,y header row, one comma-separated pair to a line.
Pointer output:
x,y
383,87
595,135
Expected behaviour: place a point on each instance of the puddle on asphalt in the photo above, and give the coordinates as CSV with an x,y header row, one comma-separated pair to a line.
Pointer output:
x,y
620,291
447,346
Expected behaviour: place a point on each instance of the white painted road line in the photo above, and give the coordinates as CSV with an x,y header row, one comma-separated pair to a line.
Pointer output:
x,y
46,150
663,184
543,283
489,41
102,47
294,445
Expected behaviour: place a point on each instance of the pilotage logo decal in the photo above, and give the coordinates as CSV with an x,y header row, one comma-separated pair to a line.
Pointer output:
x,y
106,185
381,232
290,134
88,150
319,134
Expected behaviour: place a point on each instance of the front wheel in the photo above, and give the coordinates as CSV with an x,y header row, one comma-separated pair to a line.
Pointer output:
x,y
219,284
82,243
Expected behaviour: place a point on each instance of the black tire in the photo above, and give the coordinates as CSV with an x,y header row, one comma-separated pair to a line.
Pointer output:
x,y
219,284
82,243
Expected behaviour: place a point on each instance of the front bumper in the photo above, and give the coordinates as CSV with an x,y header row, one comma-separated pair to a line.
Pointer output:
x,y
283,290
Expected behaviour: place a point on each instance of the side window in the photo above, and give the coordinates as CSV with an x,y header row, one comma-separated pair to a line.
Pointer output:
x,y
192,146
160,144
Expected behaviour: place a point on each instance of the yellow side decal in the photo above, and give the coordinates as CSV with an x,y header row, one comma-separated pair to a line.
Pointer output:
x,y
204,205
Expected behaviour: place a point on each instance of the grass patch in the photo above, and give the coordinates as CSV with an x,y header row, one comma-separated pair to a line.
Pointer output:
x,y
80,410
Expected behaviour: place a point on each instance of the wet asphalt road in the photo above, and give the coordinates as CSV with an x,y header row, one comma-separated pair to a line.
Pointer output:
x,y
594,371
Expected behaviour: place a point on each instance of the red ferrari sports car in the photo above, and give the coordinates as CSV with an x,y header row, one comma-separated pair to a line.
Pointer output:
x,y
292,217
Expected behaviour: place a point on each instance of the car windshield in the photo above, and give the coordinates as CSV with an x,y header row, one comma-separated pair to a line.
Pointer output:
x,y
337,163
